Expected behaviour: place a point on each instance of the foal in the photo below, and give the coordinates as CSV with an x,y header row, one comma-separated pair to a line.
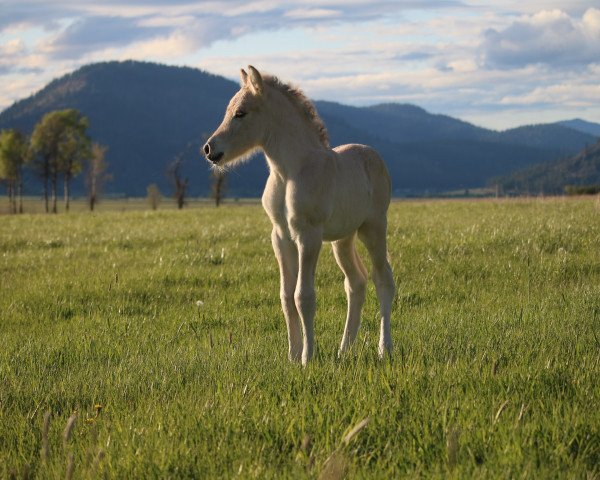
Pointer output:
x,y
313,193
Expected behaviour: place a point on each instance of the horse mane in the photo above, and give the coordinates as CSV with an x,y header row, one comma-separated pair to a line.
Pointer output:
x,y
299,100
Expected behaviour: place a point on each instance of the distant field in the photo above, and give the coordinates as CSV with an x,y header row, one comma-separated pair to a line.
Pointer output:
x,y
36,205
162,330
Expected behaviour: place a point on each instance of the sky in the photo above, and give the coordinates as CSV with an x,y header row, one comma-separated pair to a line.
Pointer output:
x,y
496,64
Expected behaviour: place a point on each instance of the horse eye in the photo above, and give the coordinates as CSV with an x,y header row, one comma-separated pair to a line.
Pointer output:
x,y
239,114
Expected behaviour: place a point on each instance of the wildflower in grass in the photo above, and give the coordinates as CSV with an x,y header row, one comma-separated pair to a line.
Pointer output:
x,y
98,408
199,306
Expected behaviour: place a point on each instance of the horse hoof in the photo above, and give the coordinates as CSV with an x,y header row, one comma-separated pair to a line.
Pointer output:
x,y
384,350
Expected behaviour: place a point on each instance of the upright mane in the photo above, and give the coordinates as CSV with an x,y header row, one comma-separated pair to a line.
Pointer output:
x,y
297,97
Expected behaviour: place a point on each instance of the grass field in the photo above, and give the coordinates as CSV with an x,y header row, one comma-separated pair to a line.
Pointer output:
x,y
162,332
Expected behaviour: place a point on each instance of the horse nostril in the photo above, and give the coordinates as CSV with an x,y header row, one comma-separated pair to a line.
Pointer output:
x,y
207,149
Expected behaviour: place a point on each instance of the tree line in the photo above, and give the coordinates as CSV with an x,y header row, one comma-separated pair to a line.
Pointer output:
x,y
58,149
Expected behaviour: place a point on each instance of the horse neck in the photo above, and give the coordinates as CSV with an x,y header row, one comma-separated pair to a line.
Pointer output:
x,y
291,140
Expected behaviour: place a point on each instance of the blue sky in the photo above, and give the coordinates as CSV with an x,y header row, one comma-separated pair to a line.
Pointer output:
x,y
499,66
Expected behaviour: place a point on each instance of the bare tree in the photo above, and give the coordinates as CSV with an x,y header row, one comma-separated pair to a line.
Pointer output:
x,y
180,183
218,186
96,176
153,195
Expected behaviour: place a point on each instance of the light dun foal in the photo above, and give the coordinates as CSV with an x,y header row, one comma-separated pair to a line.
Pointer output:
x,y
313,193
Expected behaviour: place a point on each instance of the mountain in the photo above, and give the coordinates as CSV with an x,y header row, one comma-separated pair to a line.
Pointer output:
x,y
583,126
578,170
555,136
148,114
438,152
401,123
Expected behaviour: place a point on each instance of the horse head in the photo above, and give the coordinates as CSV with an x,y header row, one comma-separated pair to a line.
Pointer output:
x,y
242,129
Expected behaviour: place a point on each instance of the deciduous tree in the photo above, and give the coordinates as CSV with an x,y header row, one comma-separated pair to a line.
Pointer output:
x,y
14,153
62,145
75,150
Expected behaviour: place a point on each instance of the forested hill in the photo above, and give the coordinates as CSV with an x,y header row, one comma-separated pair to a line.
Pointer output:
x,y
582,126
582,169
401,123
147,114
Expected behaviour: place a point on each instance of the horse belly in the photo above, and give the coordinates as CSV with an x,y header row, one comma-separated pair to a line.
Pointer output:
x,y
352,200
336,230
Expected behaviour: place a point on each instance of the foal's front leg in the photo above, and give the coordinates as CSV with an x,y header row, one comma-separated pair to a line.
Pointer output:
x,y
308,243
287,258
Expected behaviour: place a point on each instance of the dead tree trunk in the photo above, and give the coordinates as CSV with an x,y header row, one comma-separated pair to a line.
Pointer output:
x,y
218,186
67,193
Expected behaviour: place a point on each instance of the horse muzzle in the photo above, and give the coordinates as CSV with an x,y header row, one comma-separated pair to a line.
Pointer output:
x,y
211,155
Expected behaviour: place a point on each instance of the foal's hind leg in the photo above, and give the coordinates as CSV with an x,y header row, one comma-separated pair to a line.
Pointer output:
x,y
355,285
287,258
373,235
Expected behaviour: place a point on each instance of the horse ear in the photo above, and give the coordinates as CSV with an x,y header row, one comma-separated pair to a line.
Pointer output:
x,y
255,80
243,77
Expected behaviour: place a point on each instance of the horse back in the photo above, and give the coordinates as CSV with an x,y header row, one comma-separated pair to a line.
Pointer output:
x,y
365,166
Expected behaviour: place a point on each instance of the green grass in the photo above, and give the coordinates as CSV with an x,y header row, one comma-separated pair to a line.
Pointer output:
x,y
495,374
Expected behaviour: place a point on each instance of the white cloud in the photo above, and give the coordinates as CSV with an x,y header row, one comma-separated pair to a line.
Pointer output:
x,y
591,23
174,21
12,47
549,37
461,58
174,46
312,13
570,94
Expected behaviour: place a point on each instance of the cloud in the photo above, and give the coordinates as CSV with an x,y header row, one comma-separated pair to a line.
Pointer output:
x,y
447,56
312,13
85,28
414,56
549,37
571,94
12,48
14,59
591,23
96,33
462,89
